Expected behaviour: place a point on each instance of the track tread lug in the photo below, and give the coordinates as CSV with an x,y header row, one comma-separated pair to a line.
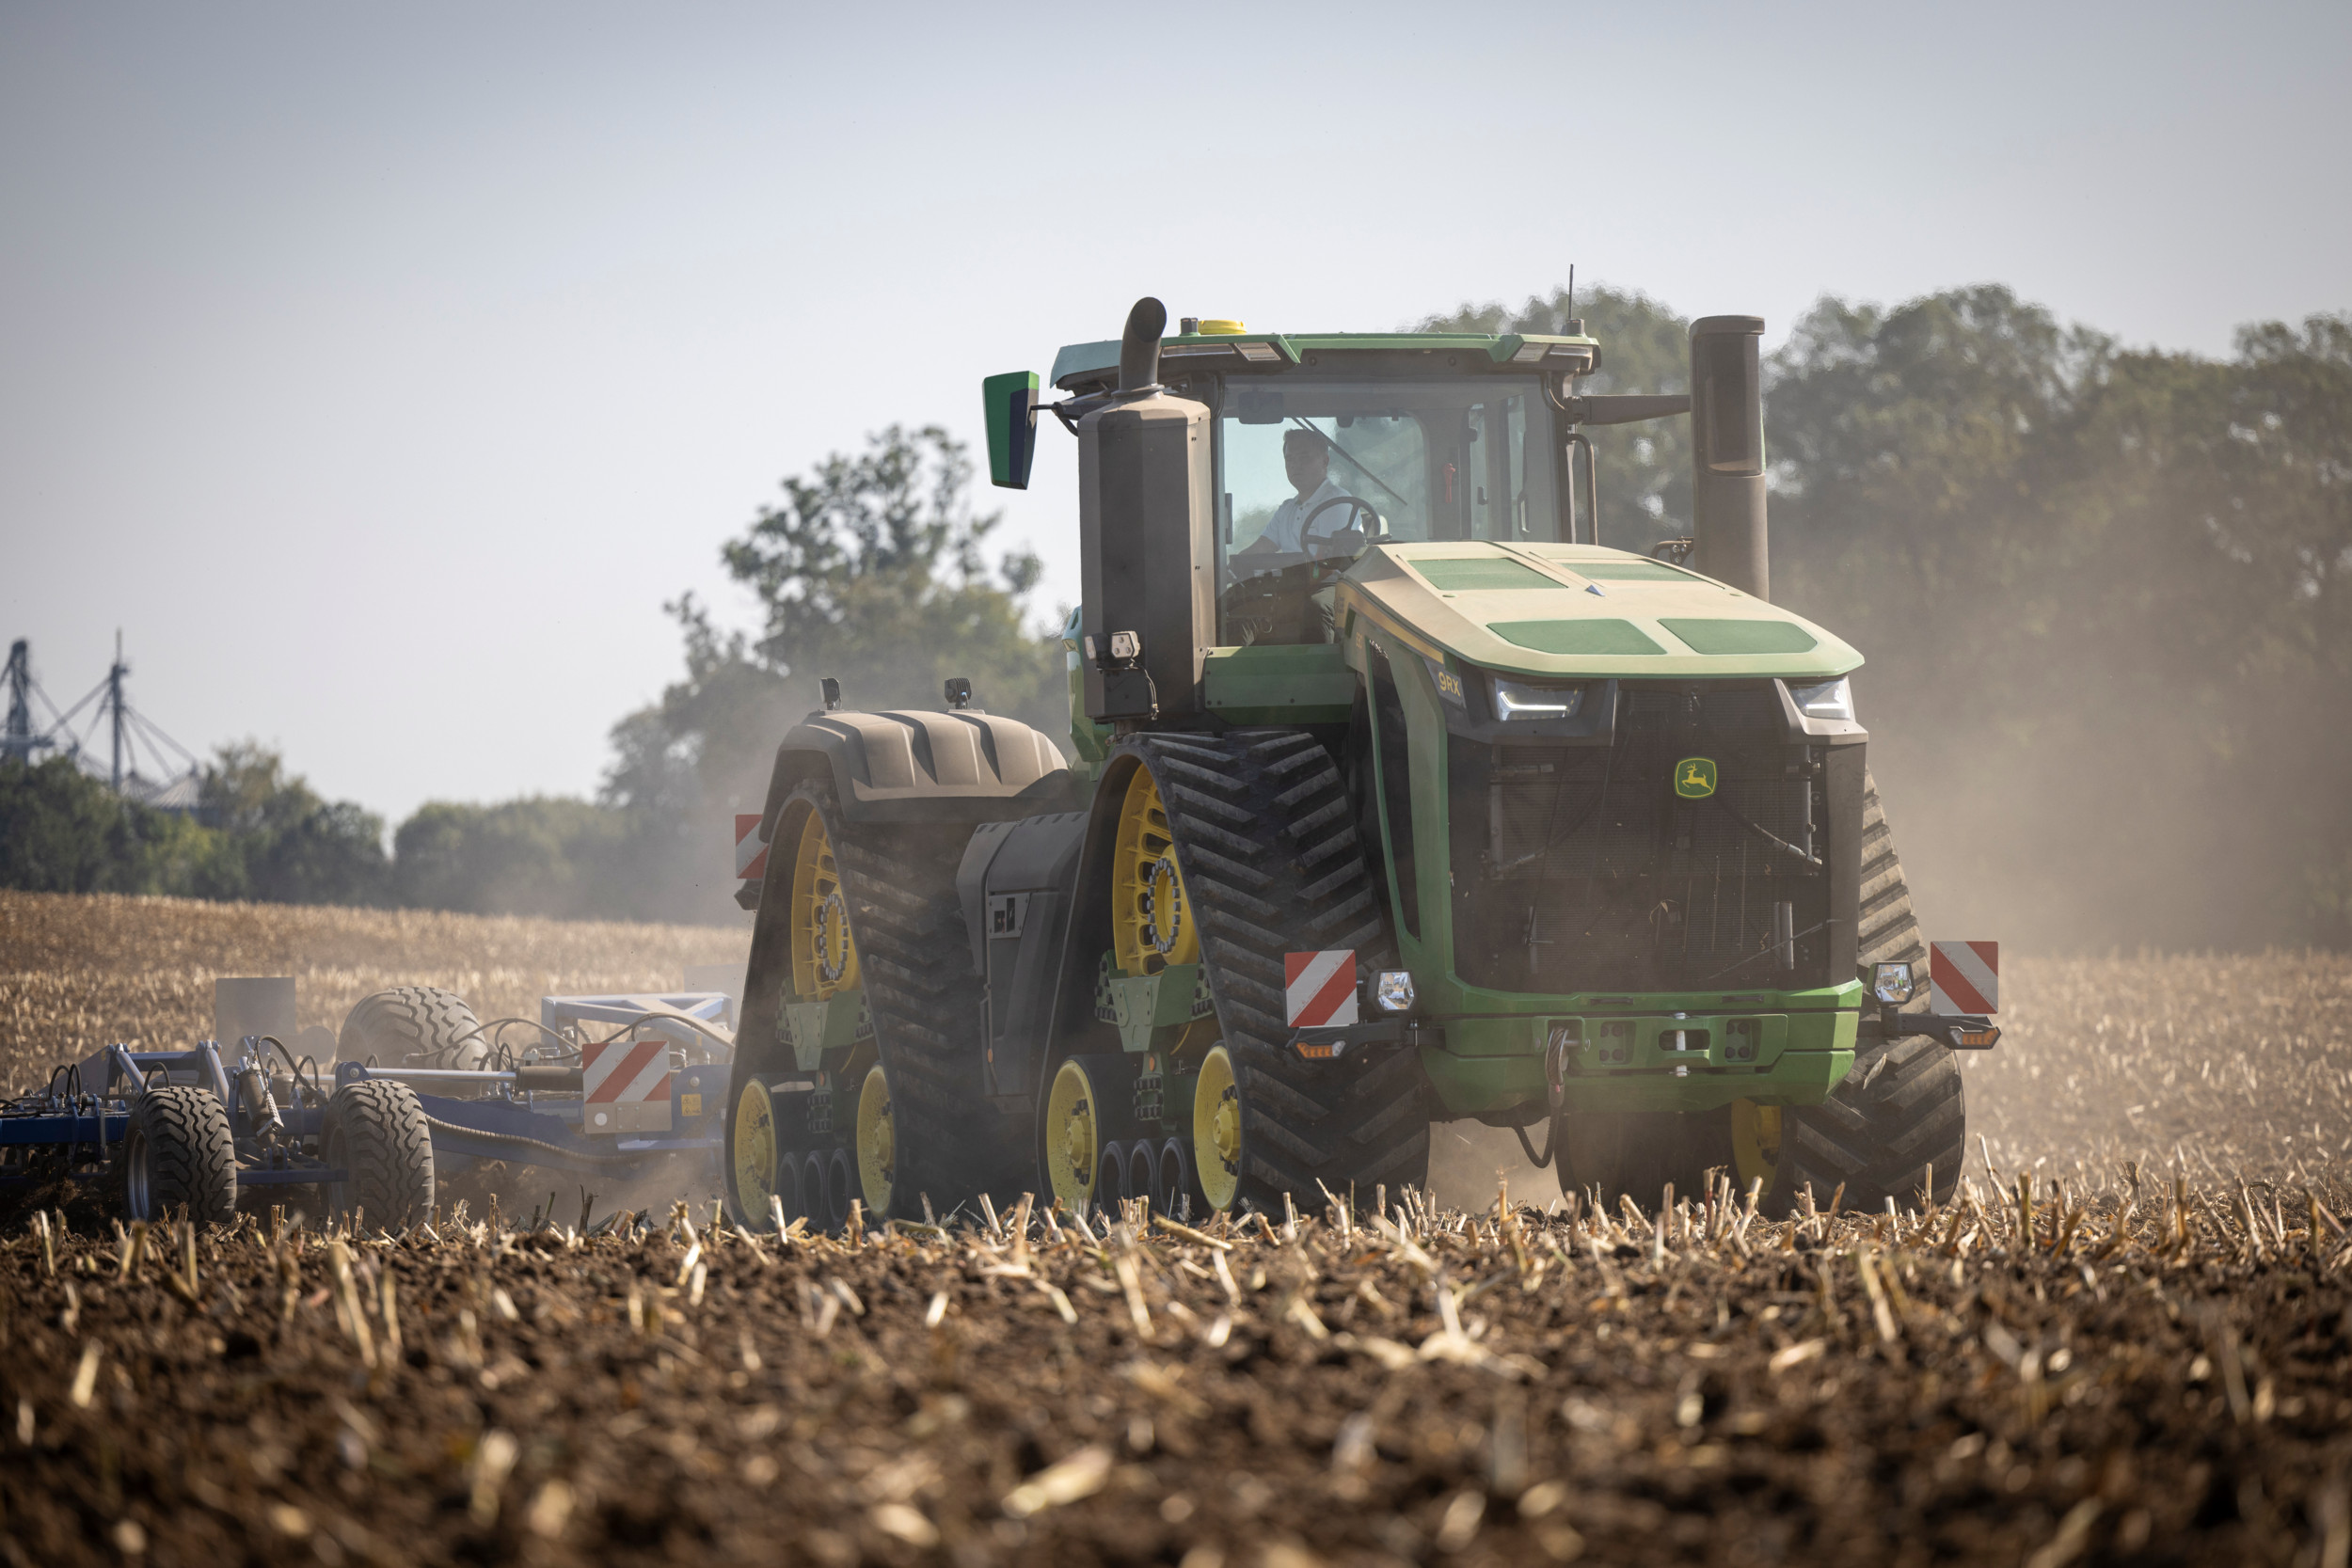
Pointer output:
x,y
1307,885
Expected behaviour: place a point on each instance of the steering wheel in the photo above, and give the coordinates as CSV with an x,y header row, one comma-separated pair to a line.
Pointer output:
x,y
1306,569
1360,509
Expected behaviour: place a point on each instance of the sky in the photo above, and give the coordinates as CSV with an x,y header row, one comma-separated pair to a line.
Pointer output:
x,y
381,371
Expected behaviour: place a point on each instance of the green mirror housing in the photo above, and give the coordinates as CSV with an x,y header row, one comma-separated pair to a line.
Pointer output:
x,y
1011,400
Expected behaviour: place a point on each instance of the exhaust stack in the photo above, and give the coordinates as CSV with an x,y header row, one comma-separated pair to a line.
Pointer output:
x,y
1728,523
1139,346
1147,551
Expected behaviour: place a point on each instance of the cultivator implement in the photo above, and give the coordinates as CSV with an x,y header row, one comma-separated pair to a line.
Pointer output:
x,y
622,1085
173,1127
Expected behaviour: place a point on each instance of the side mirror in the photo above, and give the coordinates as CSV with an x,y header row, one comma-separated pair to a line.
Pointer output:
x,y
1011,404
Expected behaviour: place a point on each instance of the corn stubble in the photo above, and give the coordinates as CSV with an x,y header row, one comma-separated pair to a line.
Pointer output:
x,y
2026,1375
2107,1348
2236,1064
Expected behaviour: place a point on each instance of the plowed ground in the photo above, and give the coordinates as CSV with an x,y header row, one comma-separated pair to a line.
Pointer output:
x,y
2151,1362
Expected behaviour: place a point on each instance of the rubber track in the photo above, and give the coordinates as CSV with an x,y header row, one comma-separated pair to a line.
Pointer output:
x,y
388,1145
1272,864
1903,1107
192,1155
413,1020
927,1009
1889,927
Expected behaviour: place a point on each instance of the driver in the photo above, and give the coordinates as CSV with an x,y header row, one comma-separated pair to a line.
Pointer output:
x,y
1307,461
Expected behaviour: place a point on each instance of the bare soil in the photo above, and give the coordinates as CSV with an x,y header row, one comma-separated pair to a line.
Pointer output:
x,y
2131,1339
2166,1378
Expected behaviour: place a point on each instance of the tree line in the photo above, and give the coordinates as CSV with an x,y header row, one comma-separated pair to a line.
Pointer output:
x,y
2101,591
261,834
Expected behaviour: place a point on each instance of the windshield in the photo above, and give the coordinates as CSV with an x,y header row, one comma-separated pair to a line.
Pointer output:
x,y
1310,472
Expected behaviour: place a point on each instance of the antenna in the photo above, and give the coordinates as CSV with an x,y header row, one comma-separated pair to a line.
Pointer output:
x,y
1571,292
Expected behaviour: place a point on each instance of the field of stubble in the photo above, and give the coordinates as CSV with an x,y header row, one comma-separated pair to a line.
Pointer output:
x,y
2131,1339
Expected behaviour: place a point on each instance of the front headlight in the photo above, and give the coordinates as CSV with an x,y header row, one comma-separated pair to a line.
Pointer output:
x,y
1519,700
1893,984
1393,991
1829,700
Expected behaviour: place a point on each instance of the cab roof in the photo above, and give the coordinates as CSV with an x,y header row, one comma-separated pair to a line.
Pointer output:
x,y
1079,366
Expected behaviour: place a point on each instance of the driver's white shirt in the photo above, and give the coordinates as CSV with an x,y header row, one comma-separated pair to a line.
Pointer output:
x,y
1282,532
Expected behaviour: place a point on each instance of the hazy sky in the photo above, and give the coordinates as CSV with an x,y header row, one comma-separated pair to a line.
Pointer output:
x,y
381,374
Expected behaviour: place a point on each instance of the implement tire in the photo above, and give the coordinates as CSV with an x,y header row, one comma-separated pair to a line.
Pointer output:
x,y
1902,1110
1267,848
376,1133
178,1151
413,1026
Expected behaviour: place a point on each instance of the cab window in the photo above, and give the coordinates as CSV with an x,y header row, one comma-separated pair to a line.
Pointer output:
x,y
1310,473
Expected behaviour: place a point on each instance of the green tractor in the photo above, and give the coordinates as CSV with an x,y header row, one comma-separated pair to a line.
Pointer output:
x,y
1397,798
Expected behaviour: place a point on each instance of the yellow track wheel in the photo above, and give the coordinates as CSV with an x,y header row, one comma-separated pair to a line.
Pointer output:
x,y
756,1151
1754,1143
1216,1130
1074,1131
1151,924
824,954
877,1143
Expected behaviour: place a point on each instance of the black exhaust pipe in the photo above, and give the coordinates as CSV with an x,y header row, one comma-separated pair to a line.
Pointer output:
x,y
1139,346
1728,523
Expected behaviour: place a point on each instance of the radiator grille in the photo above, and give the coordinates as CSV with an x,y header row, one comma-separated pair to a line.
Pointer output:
x,y
1577,867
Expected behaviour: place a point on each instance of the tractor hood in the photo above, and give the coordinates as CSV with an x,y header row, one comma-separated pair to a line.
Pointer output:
x,y
1578,609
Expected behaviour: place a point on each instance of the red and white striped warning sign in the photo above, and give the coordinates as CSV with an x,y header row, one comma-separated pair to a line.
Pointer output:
x,y
1320,988
751,856
1964,976
617,1072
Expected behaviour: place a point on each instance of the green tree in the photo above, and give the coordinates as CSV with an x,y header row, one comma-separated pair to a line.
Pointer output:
x,y
872,571
295,846
62,831
539,856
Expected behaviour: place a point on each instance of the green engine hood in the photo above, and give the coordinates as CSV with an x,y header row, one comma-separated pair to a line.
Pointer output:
x,y
1578,609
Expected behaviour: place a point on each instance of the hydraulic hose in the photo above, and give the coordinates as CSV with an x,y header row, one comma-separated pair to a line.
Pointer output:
x,y
516,1140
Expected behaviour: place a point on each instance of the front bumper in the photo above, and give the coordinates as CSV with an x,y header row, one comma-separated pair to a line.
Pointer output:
x,y
1679,1059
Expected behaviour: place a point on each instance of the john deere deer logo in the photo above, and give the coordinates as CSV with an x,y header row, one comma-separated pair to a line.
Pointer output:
x,y
1694,778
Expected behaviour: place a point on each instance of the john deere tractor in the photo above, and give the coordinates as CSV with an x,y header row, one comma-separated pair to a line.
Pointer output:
x,y
1398,797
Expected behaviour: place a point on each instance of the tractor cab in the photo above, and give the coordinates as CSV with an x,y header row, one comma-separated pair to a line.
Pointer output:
x,y
1322,446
